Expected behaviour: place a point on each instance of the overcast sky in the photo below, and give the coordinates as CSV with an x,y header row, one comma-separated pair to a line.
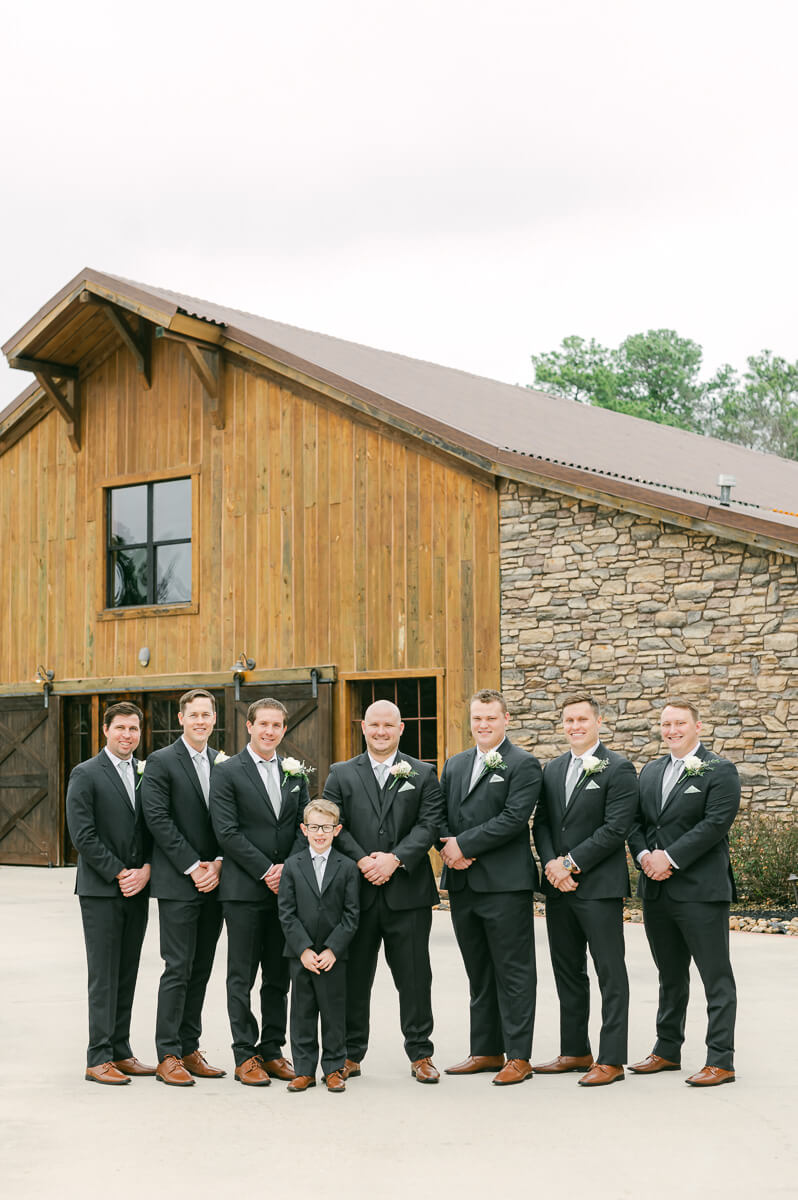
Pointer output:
x,y
458,181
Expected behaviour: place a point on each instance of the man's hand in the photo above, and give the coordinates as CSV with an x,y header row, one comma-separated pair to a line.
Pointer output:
x,y
206,876
370,871
310,960
326,959
385,863
453,856
272,877
558,877
656,864
133,880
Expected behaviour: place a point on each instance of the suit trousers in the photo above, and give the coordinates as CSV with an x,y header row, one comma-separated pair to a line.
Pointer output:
x,y
404,934
189,932
313,997
255,940
113,930
575,925
676,932
495,933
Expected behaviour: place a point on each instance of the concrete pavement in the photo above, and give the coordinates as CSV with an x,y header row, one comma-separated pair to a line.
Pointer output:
x,y
387,1136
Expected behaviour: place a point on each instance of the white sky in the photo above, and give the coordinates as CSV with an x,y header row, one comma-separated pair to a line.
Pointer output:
x,y
459,181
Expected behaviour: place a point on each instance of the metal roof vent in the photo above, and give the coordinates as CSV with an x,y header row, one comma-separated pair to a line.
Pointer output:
x,y
726,483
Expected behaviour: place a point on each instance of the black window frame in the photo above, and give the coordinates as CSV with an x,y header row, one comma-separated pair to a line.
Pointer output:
x,y
150,546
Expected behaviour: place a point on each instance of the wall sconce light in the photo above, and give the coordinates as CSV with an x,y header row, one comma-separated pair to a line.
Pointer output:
x,y
46,678
239,667
144,656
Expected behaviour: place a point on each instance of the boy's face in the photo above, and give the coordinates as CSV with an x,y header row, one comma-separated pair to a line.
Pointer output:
x,y
320,830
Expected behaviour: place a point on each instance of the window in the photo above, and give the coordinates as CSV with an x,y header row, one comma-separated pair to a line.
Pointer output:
x,y
149,544
416,699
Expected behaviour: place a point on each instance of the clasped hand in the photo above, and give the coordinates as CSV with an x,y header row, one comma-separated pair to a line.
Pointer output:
x,y
316,963
378,867
453,856
656,865
558,877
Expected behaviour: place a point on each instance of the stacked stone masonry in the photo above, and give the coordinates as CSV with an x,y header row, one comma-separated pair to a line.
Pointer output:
x,y
598,599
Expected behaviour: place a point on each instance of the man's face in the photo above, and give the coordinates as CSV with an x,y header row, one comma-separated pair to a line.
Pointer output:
x,y
382,727
266,731
488,723
197,722
581,725
680,730
123,735
320,839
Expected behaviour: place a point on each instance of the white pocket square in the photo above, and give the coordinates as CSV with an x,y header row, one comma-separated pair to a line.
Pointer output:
x,y
591,784
295,789
691,788
496,779
406,787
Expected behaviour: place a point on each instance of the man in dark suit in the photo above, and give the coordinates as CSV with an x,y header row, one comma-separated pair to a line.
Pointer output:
x,y
319,904
391,810
581,825
175,791
688,801
107,827
257,801
490,794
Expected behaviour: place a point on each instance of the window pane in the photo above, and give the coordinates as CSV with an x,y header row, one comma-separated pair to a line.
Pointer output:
x,y
429,740
171,510
129,515
130,577
407,697
428,691
173,574
408,742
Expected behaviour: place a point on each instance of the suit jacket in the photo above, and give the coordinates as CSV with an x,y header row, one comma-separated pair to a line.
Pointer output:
x,y
693,827
491,820
179,821
250,836
594,826
318,919
107,834
404,820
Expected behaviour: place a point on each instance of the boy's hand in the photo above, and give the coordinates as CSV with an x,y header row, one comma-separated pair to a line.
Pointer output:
x,y
310,960
326,959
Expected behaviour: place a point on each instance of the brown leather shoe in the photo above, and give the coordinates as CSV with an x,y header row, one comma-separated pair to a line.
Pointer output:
x,y
563,1063
301,1083
599,1074
351,1069
475,1063
652,1064
197,1065
105,1073
424,1071
515,1070
253,1073
132,1066
335,1082
710,1077
171,1070
279,1068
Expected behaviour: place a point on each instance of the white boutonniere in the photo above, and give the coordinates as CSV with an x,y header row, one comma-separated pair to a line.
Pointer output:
x,y
693,765
220,758
140,765
592,765
401,770
494,761
295,769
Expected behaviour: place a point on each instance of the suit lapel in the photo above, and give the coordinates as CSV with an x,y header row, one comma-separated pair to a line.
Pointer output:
x,y
657,775
581,782
559,770
253,775
391,789
184,758
466,780
329,871
682,781
369,780
115,778
306,867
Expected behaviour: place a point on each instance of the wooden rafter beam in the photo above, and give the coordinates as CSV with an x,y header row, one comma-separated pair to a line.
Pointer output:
x,y
138,342
207,364
65,396
60,370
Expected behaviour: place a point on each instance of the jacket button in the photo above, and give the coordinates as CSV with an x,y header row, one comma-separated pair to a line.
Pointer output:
x,y
382,833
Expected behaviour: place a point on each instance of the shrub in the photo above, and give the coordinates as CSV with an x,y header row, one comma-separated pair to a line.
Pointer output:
x,y
764,851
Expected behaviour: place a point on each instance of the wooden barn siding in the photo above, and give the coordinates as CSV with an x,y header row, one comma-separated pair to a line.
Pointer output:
x,y
321,537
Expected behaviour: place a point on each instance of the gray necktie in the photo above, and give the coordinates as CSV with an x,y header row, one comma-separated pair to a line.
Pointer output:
x,y
574,771
203,770
272,786
126,772
318,867
671,778
381,771
478,768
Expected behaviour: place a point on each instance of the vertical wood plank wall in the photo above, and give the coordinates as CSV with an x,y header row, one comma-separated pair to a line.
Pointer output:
x,y
320,537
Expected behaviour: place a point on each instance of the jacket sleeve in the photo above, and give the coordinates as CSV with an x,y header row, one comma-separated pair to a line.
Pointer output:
x,y
414,846
620,806
720,809
345,842
225,820
156,804
523,790
80,801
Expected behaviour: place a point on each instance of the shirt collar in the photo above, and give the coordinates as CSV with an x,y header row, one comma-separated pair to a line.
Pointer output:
x,y
116,761
325,855
256,758
689,754
387,763
492,749
194,753
588,753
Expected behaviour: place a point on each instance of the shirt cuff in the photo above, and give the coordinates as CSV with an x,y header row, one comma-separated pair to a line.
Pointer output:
x,y
670,860
640,856
193,867
573,860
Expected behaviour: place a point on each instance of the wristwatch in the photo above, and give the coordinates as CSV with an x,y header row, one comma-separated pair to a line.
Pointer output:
x,y
568,863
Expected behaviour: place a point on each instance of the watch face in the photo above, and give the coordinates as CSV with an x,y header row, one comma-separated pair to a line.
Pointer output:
x,y
566,862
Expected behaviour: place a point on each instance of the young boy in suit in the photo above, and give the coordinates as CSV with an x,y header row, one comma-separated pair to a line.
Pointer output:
x,y
319,905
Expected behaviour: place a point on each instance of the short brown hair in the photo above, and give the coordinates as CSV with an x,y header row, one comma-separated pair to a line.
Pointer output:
x,y
488,696
266,702
195,694
580,698
123,709
681,702
327,808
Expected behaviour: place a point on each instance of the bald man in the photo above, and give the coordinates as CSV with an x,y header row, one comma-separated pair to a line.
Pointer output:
x,y
391,809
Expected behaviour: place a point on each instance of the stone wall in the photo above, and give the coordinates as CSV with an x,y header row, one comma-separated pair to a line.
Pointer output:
x,y
634,612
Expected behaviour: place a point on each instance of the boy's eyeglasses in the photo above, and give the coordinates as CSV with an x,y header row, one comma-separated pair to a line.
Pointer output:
x,y
320,828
